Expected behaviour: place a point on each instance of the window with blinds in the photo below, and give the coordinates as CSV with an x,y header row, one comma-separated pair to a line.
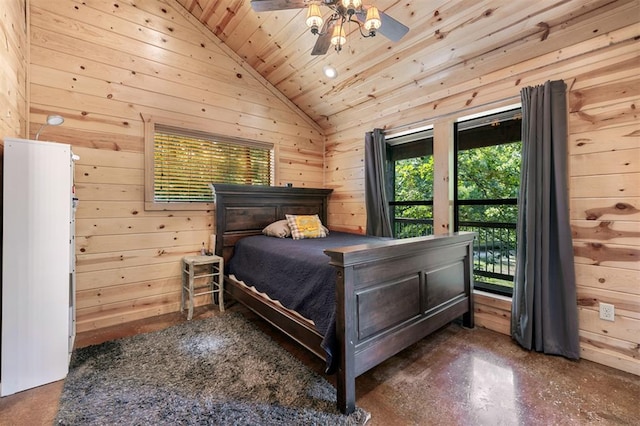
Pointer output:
x,y
185,162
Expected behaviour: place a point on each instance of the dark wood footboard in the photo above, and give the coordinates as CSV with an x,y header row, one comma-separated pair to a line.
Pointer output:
x,y
392,294
389,294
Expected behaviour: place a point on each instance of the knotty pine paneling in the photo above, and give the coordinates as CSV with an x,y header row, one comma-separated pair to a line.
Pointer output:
x,y
602,186
101,208
129,258
102,65
617,161
191,240
606,208
14,68
599,346
107,295
627,304
623,281
137,225
614,231
522,55
607,254
420,102
101,316
492,312
135,274
622,137
604,178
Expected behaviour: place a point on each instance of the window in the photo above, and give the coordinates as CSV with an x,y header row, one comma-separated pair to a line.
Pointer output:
x,y
181,163
485,190
411,168
488,158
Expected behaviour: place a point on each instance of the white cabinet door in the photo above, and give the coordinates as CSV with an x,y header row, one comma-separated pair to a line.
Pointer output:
x,y
35,264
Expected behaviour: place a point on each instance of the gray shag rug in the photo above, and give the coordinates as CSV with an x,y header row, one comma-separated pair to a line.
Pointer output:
x,y
215,371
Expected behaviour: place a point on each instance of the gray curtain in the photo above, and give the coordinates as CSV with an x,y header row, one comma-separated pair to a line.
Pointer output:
x,y
544,314
377,191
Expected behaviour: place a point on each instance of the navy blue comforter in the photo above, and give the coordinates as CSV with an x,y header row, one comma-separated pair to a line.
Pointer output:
x,y
296,273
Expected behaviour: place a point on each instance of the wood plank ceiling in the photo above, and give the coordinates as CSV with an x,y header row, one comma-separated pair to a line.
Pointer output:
x,y
449,42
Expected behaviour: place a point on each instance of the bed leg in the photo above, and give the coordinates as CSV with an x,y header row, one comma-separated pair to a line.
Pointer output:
x,y
467,320
346,324
346,392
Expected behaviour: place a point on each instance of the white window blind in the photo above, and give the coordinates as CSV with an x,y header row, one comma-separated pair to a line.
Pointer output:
x,y
186,162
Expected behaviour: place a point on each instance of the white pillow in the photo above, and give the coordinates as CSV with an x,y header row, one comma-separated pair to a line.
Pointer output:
x,y
279,229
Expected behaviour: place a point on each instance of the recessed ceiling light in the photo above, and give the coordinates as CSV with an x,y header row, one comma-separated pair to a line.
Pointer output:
x,y
329,71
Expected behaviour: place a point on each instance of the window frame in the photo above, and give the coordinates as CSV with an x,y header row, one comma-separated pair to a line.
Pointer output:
x,y
482,119
150,123
408,141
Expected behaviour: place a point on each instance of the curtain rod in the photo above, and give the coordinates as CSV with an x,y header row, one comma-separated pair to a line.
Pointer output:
x,y
430,120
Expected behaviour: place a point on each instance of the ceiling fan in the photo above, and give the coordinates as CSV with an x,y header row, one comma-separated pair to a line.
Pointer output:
x,y
331,31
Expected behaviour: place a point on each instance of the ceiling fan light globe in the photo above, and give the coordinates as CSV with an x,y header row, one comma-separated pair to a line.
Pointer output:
x,y
351,6
354,4
373,21
338,38
314,18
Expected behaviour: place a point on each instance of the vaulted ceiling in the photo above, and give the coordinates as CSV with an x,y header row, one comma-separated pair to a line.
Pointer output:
x,y
449,42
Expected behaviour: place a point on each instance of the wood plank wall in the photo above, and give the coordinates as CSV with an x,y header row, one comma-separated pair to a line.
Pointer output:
x,y
604,169
14,65
604,150
14,72
102,64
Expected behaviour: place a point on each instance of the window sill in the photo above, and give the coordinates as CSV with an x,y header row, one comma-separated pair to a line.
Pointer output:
x,y
492,311
496,300
178,206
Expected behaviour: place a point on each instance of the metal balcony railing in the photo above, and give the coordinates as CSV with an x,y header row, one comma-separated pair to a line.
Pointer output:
x,y
494,254
412,218
404,227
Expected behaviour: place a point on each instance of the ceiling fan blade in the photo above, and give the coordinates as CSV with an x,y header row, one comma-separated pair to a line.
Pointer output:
x,y
267,5
324,39
390,28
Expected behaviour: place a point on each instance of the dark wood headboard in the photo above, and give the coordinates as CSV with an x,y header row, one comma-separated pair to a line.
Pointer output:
x,y
244,210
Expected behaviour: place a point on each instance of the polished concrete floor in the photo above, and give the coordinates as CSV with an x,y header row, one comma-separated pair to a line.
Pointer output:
x,y
454,377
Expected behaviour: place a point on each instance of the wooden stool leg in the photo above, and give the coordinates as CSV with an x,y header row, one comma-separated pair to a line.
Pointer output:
x,y
182,287
191,273
212,284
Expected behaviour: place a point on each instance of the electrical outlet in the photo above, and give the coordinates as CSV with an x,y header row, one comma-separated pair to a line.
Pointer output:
x,y
607,311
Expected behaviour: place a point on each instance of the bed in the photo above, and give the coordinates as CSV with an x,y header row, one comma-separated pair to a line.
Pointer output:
x,y
388,294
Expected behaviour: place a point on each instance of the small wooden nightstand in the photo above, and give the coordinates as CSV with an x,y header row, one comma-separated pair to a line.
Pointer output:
x,y
193,269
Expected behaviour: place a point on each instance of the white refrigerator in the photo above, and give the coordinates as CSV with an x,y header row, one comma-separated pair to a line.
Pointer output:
x,y
38,264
